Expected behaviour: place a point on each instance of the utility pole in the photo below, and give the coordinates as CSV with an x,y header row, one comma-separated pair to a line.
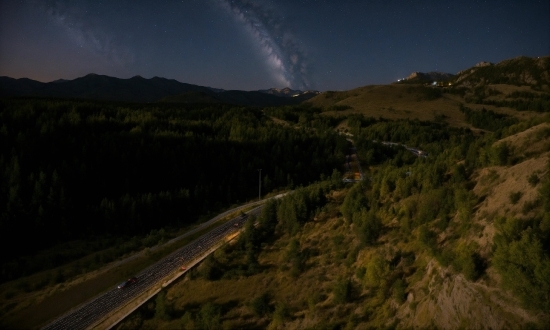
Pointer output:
x,y
260,184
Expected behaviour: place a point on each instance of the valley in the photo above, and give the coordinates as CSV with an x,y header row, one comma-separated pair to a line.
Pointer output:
x,y
413,206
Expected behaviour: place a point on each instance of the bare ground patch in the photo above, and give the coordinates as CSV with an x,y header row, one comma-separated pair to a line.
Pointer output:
x,y
448,301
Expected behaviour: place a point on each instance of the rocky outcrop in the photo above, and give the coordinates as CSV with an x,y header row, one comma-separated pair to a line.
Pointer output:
x,y
445,300
517,71
482,64
429,76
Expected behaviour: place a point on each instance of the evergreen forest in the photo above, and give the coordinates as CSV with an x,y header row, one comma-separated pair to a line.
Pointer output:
x,y
106,172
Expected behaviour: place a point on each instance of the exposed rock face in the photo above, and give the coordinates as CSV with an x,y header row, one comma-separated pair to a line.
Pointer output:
x,y
429,76
447,301
521,70
482,64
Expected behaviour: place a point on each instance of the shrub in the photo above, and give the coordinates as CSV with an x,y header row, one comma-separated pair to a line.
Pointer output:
x,y
209,316
427,238
533,179
280,314
515,197
398,291
342,291
468,261
161,309
525,268
529,206
260,305
360,272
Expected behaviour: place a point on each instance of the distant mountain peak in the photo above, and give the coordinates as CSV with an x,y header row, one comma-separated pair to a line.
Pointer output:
x,y
483,63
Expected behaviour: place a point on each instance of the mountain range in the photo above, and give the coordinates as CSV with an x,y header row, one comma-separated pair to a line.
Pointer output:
x,y
142,90
517,71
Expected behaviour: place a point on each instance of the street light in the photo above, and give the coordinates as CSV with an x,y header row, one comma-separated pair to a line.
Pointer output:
x,y
259,184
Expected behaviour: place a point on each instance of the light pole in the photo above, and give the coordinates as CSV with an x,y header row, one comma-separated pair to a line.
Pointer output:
x,y
259,184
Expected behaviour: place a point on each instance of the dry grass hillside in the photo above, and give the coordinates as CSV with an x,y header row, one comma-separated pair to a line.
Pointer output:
x,y
515,71
402,101
393,102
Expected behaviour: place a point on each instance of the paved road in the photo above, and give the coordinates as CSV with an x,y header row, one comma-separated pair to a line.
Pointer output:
x,y
103,305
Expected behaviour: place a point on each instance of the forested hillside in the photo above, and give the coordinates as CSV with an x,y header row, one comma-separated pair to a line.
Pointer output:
x,y
450,240
76,169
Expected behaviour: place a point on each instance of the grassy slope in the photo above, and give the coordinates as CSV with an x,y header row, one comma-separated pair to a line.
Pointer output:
x,y
391,102
405,101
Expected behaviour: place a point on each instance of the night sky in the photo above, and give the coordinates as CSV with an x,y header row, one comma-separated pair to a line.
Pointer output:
x,y
250,45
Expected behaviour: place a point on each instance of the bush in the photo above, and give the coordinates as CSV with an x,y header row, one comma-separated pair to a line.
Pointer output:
x,y
280,314
342,291
468,261
161,309
360,272
515,197
525,268
209,269
209,317
398,291
529,206
260,305
427,237
533,179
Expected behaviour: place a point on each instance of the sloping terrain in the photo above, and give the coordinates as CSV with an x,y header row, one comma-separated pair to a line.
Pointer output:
x,y
415,274
517,87
516,71
396,101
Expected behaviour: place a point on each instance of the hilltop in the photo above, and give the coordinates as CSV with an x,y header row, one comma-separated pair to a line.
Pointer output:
x,y
506,87
429,77
519,71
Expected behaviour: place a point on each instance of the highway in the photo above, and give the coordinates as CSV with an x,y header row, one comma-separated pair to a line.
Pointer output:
x,y
102,306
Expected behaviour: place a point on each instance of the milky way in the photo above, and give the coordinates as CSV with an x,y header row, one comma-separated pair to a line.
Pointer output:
x,y
284,55
87,33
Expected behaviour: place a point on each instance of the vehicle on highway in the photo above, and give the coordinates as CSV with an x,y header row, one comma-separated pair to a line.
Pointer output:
x,y
127,283
100,308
